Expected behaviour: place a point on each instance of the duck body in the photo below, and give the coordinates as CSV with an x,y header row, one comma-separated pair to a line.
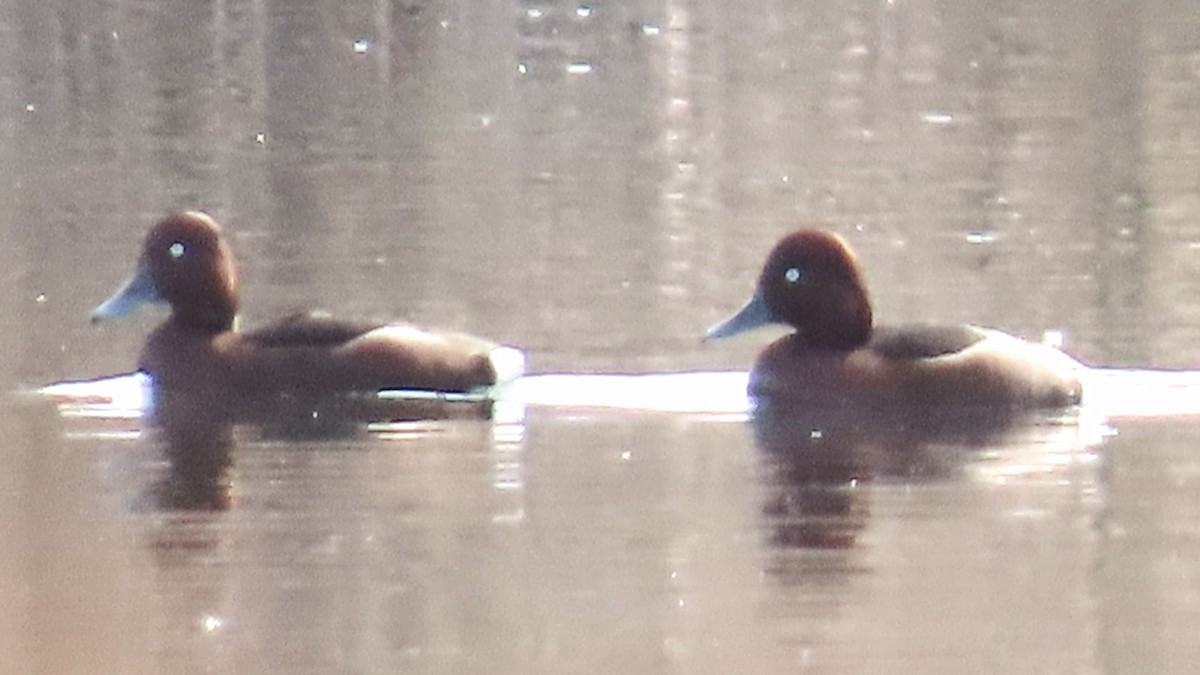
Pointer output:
x,y
812,282
186,264
996,369
256,363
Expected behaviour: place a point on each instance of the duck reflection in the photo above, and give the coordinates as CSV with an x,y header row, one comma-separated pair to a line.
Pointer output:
x,y
198,439
816,461
196,436
199,451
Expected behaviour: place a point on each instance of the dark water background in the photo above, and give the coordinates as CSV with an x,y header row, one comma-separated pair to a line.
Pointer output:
x,y
598,183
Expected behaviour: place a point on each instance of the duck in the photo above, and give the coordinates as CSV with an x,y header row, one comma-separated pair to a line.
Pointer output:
x,y
187,264
813,283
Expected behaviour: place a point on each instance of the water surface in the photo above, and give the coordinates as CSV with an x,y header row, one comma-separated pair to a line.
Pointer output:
x,y
599,183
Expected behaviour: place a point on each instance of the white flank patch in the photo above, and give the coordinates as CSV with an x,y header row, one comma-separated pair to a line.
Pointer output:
x,y
508,362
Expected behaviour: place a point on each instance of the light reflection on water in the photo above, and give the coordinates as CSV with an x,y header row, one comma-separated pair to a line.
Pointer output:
x,y
1028,166
841,492
570,501
1110,394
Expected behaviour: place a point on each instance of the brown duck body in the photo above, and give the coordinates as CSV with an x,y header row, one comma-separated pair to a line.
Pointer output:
x,y
186,264
812,282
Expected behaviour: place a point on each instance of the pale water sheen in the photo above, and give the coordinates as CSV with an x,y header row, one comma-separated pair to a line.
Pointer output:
x,y
598,186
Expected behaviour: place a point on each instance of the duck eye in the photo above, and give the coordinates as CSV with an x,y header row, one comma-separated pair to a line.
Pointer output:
x,y
176,250
795,275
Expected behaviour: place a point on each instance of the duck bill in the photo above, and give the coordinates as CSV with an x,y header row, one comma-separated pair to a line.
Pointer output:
x,y
138,290
753,315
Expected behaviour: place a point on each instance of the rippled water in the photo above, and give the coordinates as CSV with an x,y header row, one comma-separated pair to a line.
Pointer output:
x,y
599,183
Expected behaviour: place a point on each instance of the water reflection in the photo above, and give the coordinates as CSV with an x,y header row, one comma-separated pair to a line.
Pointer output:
x,y
666,529
200,457
457,172
197,431
816,461
196,434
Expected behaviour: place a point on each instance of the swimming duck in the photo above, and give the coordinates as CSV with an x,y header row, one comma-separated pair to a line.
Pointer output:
x,y
812,282
186,263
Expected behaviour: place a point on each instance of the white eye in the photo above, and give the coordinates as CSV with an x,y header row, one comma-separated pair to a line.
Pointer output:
x,y
795,275
177,250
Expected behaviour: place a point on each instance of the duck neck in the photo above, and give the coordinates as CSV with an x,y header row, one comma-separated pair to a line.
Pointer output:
x,y
846,328
209,317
